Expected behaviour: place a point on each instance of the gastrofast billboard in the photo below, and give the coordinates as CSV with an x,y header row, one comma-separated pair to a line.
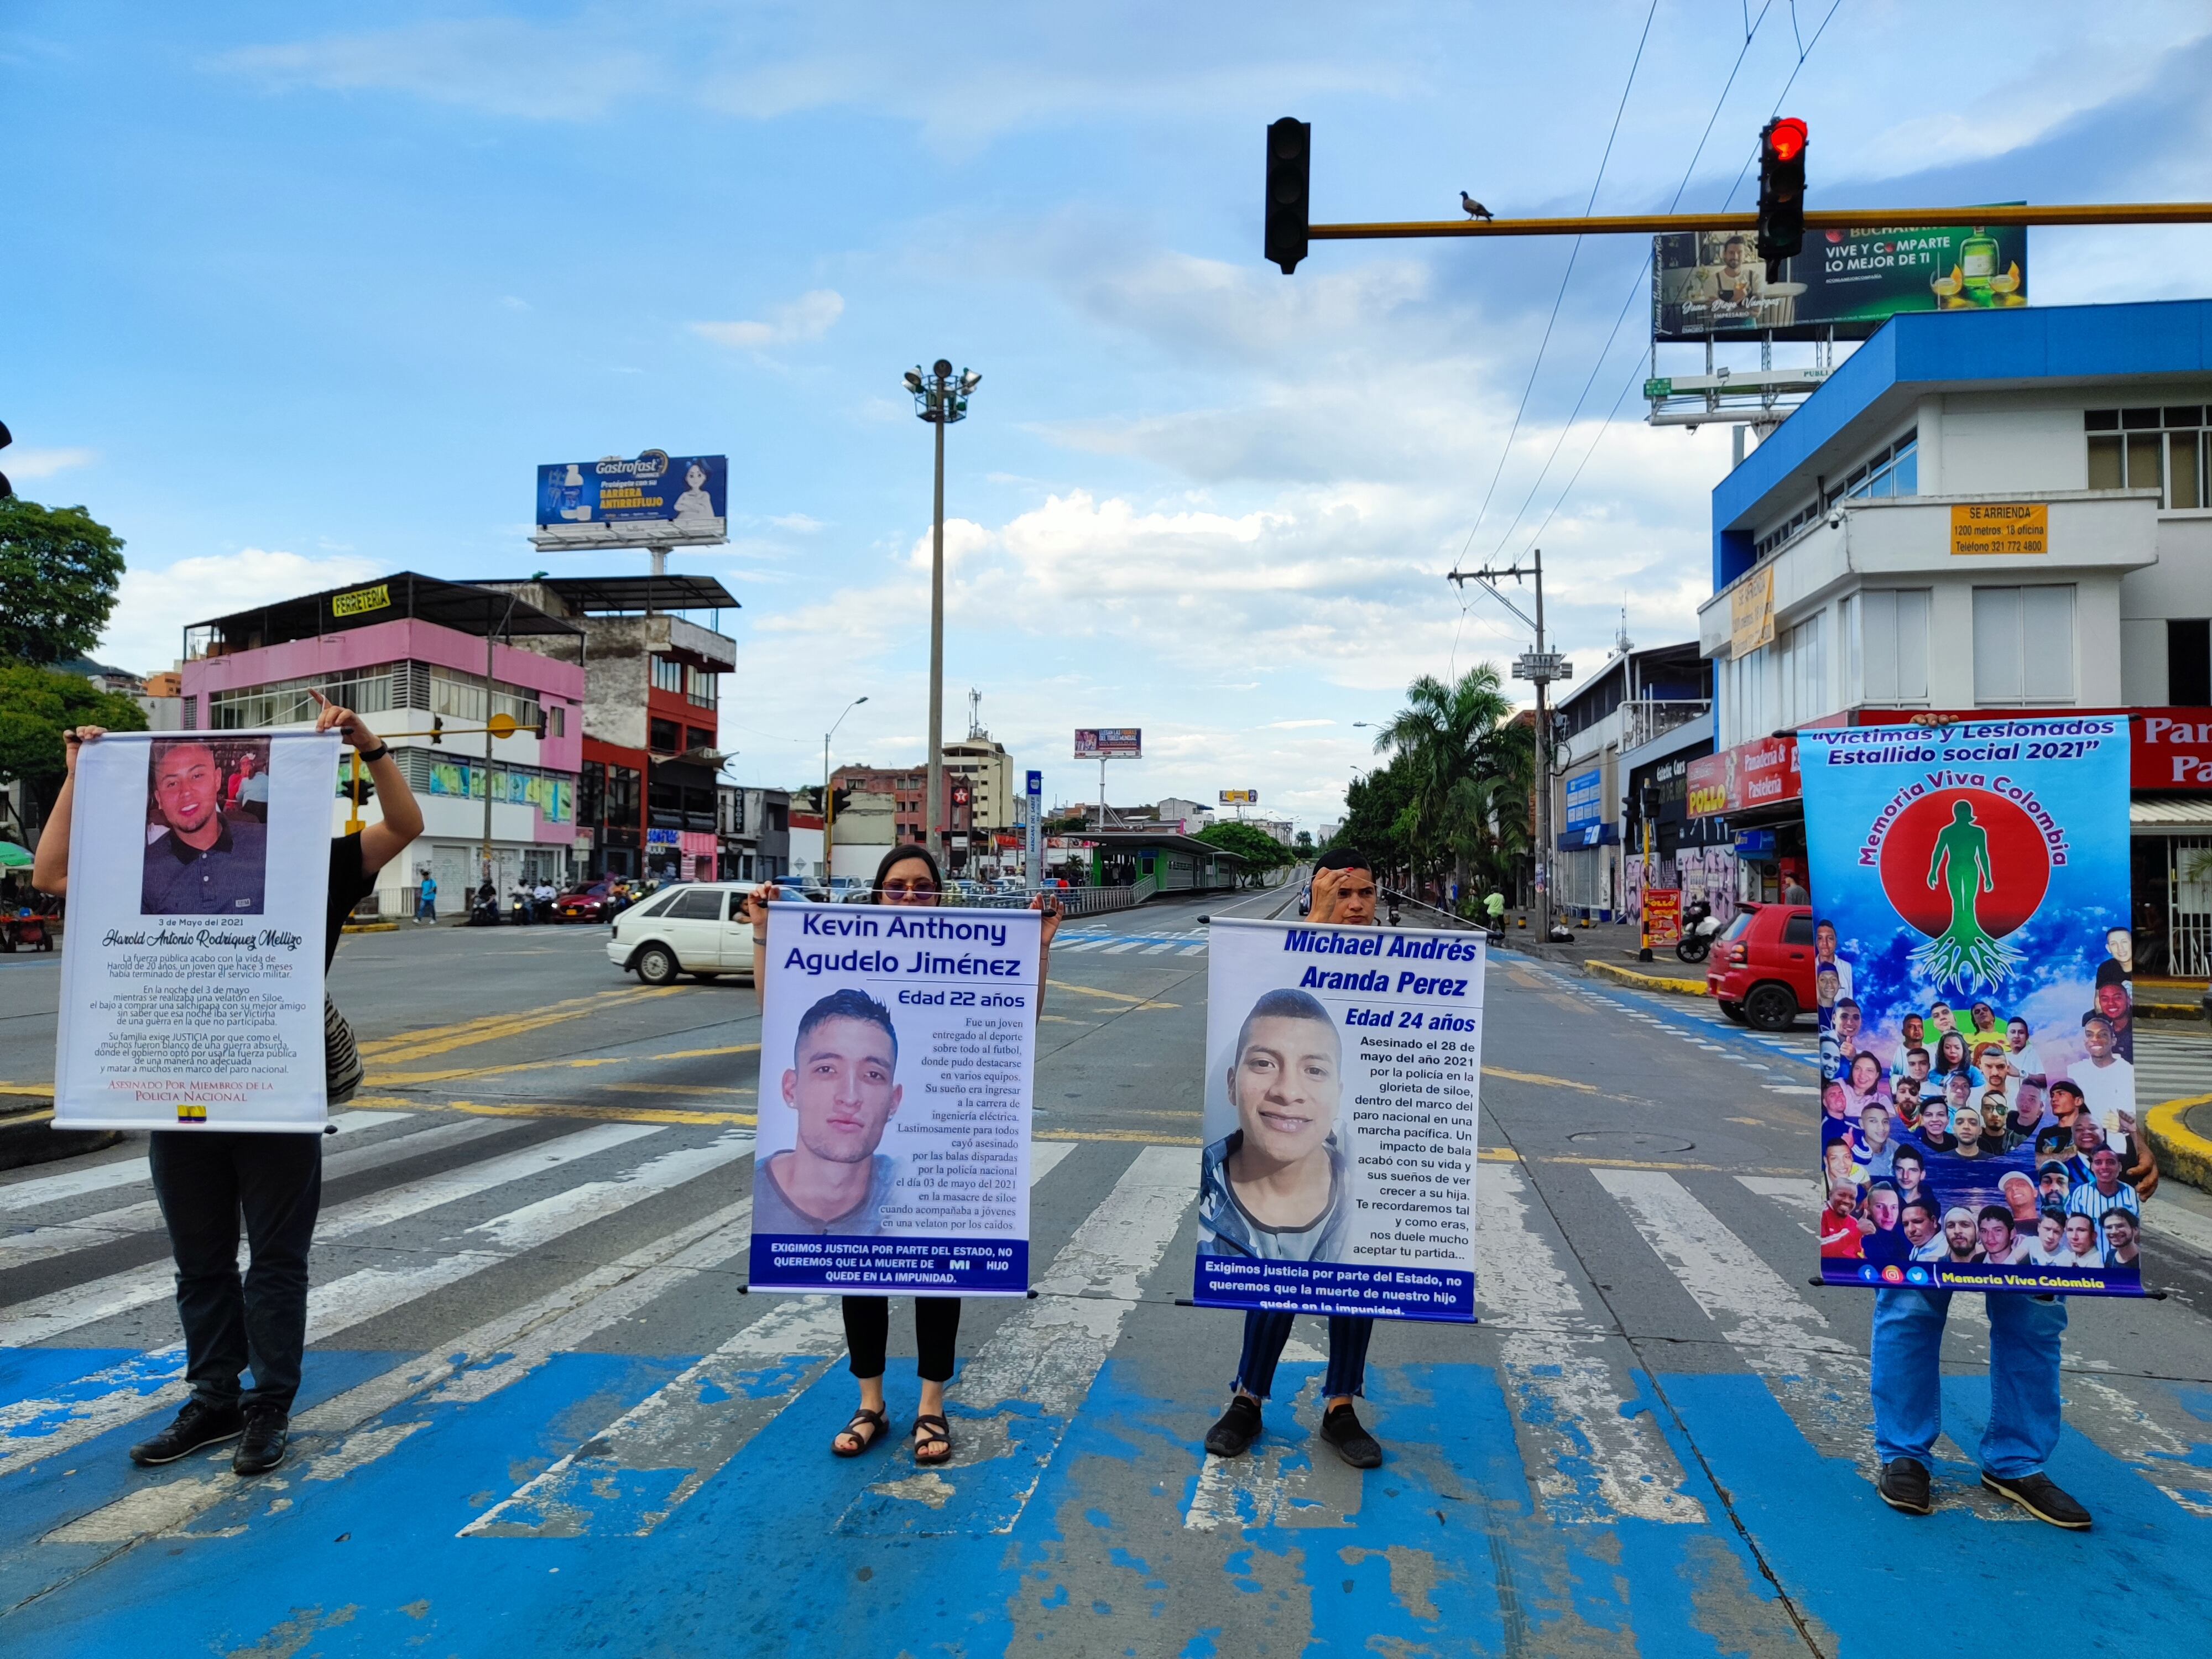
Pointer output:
x,y
652,500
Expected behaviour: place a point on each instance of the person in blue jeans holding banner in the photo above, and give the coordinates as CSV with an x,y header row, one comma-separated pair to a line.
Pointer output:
x,y
906,876
1344,896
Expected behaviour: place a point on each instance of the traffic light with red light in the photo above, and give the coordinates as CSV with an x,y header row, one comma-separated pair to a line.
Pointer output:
x,y
1781,192
1290,171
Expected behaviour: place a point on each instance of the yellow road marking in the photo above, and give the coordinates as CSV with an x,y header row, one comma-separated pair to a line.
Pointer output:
x,y
600,1114
443,1039
395,1079
669,1088
1143,1135
1538,1077
1111,996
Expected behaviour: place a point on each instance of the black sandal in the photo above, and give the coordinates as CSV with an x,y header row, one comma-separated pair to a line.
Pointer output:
x,y
932,1431
881,1424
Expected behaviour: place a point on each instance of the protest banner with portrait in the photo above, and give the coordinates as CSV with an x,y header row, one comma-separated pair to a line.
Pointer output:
x,y
897,1049
193,986
1343,1102
1978,1113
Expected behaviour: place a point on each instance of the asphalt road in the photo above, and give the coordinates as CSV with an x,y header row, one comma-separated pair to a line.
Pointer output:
x,y
542,1416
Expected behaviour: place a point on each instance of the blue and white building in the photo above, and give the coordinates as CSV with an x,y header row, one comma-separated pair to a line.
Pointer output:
x,y
1850,575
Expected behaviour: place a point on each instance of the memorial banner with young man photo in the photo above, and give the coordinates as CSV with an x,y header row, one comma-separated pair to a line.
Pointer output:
x,y
191,989
1343,1104
1975,977
897,1049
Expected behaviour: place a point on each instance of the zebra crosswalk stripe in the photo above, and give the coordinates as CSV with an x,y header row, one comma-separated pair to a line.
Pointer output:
x,y
697,1422
39,1190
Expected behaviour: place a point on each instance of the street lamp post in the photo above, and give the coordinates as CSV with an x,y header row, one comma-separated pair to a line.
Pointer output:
x,y
829,800
940,397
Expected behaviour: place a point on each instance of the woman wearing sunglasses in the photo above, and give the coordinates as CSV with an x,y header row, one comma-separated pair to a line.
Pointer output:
x,y
906,876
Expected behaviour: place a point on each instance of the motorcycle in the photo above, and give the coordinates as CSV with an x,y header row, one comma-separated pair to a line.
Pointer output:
x,y
1700,928
483,909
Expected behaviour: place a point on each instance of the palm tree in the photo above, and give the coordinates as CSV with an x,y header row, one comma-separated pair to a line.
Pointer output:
x,y
1468,768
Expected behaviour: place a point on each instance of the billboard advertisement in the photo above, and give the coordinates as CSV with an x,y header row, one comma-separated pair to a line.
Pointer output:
x,y
1713,283
1585,798
1975,981
655,499
1110,742
1240,798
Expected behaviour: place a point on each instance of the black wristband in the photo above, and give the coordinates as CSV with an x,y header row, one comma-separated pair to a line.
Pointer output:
x,y
370,757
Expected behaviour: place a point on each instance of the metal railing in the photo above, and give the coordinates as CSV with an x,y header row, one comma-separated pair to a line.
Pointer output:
x,y
1646,717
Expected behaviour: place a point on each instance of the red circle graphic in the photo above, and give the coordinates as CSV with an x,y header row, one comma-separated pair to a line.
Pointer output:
x,y
2020,864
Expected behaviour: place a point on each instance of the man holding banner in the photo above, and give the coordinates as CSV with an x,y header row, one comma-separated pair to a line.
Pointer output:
x,y
1984,864
232,1138
1341,1105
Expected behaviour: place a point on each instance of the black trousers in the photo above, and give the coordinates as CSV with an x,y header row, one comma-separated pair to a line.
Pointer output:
x,y
206,1182
936,1334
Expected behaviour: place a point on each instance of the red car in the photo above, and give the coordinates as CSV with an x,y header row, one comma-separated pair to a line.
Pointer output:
x,y
594,904
1761,971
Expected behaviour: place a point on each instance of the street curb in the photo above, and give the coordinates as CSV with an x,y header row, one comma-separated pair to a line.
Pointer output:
x,y
2164,1011
2182,1152
1680,988
370,927
28,1137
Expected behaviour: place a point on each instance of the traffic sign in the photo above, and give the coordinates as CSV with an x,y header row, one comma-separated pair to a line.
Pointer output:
x,y
1542,666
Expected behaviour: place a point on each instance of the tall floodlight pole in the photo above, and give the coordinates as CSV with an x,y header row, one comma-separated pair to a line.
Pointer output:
x,y
1542,665
829,800
940,397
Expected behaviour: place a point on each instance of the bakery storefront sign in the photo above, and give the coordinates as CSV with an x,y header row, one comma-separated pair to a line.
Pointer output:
x,y
1762,773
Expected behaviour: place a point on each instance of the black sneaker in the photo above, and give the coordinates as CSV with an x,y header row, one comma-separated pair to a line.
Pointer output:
x,y
198,1425
1340,1427
2042,1498
1903,1483
262,1449
1238,1428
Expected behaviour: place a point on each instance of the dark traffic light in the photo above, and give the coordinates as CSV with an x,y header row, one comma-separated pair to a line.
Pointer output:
x,y
6,438
1781,192
1289,174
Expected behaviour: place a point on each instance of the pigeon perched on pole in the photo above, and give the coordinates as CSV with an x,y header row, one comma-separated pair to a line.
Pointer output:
x,y
1474,209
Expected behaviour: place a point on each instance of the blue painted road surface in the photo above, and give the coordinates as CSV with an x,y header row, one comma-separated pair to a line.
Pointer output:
x,y
541,1418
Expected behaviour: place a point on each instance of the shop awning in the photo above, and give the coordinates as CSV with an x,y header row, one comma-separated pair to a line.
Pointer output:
x,y
2178,812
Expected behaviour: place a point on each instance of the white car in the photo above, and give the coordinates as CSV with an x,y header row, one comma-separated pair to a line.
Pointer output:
x,y
696,928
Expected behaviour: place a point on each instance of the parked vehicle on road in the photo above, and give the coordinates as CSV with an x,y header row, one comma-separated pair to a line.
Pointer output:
x,y
1761,972
1700,928
596,903
694,928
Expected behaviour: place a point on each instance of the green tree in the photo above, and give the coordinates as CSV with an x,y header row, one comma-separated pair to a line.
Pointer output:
x,y
1302,844
1261,851
1463,760
1378,812
58,568
36,706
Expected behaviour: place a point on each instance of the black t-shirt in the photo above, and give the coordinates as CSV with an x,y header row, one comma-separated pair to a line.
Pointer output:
x,y
349,884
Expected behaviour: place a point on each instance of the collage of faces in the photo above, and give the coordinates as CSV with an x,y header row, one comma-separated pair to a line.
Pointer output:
x,y
1960,1139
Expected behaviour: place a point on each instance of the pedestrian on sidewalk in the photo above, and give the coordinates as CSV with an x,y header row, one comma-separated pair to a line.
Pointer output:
x,y
206,1179
425,900
906,876
1344,895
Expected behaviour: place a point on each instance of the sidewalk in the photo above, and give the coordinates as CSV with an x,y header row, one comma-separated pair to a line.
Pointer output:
x,y
1608,950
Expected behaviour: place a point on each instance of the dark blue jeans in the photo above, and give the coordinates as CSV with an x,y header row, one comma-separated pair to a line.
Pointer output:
x,y
1264,1334
208,1181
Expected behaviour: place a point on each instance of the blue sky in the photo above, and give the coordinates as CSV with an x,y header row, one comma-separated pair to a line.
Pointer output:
x,y
292,300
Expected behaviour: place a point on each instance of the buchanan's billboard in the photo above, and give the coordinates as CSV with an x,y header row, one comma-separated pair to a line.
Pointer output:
x,y
1713,283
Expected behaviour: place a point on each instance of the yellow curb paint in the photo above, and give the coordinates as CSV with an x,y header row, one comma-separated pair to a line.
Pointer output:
x,y
1680,988
2182,1152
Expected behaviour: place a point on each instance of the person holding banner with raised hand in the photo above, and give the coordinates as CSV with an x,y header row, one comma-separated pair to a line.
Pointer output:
x,y
908,876
1344,896
207,1179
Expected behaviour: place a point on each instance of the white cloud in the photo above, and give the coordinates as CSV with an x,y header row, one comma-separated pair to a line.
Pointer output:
x,y
514,304
499,66
1293,726
809,316
154,607
797,523
18,464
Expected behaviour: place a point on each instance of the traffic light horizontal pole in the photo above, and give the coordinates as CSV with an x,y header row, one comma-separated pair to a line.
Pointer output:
x,y
1654,224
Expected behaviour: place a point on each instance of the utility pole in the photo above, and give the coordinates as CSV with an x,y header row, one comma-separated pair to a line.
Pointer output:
x,y
940,397
1542,665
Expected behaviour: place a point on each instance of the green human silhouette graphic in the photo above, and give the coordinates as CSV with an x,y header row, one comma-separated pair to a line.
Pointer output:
x,y
1964,953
